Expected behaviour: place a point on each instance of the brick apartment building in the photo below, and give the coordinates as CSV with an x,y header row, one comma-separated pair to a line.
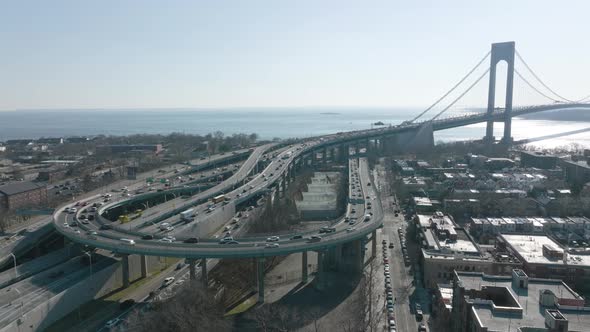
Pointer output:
x,y
17,195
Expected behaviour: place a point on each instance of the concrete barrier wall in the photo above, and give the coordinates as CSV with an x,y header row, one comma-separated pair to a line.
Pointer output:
x,y
99,284
205,225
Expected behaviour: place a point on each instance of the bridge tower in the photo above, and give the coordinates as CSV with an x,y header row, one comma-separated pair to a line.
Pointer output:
x,y
501,51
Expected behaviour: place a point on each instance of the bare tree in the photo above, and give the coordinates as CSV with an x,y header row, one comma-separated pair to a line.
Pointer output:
x,y
192,309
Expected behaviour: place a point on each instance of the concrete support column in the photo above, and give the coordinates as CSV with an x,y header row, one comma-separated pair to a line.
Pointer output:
x,y
260,275
144,266
204,278
304,274
325,156
319,279
374,244
125,269
192,269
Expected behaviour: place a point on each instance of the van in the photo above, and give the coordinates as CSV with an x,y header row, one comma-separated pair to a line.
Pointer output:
x,y
128,241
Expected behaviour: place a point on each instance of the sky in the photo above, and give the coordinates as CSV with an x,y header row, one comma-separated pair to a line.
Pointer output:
x,y
162,54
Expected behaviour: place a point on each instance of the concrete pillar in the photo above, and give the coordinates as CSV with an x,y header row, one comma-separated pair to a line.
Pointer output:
x,y
204,278
125,269
325,156
319,279
144,266
374,244
304,274
192,269
260,275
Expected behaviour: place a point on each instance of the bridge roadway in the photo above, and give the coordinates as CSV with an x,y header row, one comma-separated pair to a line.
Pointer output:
x,y
253,187
172,208
249,247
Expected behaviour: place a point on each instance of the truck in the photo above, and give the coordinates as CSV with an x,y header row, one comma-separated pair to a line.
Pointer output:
x,y
188,215
218,199
286,155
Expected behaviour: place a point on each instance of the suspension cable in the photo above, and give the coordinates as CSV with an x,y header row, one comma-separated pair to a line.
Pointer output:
x,y
543,83
461,96
453,88
533,87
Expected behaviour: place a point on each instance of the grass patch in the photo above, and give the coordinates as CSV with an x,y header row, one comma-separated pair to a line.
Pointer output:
x,y
244,306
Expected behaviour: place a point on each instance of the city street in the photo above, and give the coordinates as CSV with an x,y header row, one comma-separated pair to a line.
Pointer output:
x,y
400,274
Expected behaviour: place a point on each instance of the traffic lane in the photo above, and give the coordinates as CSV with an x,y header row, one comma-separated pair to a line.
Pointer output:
x,y
39,296
220,251
361,207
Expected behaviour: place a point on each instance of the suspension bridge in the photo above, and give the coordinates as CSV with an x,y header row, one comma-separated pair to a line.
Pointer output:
x,y
507,52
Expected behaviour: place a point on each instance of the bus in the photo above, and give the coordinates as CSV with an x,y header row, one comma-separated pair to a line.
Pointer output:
x,y
218,199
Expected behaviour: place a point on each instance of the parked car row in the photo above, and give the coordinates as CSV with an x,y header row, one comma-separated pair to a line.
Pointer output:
x,y
402,239
388,289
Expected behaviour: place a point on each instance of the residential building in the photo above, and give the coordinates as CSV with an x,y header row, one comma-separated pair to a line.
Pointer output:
x,y
489,303
22,194
538,160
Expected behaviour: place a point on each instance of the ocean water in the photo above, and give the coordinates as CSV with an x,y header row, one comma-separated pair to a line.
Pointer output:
x,y
268,123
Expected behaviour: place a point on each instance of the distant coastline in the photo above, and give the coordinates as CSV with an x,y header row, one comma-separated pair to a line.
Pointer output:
x,y
330,113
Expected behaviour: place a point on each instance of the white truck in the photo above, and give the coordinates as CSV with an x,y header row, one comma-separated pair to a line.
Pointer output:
x,y
188,215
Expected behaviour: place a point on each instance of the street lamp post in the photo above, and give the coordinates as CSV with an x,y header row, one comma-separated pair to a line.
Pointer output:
x,y
14,260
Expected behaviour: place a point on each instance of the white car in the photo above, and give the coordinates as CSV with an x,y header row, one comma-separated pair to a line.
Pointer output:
x,y
73,210
350,229
272,245
112,323
168,281
273,239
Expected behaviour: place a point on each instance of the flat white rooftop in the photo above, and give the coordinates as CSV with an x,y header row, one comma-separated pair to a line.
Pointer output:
x,y
530,248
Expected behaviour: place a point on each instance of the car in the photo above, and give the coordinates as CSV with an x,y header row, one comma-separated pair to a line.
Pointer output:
x,y
90,217
391,246
179,266
92,234
147,237
296,237
314,238
421,327
418,310
191,240
105,227
350,229
273,239
73,210
167,281
112,323
272,245
384,242
391,323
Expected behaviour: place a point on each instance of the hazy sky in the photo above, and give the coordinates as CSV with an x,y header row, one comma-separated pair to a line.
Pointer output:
x,y
122,54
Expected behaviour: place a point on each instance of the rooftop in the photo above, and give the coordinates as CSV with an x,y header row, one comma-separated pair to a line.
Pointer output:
x,y
530,249
528,299
14,188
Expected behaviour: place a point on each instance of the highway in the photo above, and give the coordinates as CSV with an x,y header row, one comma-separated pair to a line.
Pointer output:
x,y
210,248
29,293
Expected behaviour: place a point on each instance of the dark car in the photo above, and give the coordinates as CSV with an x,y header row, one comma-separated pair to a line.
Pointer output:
x,y
191,240
105,227
296,237
147,237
